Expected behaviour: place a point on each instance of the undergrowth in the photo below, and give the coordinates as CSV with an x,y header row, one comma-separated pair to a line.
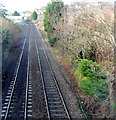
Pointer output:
x,y
91,79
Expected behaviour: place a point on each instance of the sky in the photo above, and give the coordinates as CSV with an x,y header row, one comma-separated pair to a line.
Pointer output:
x,y
25,5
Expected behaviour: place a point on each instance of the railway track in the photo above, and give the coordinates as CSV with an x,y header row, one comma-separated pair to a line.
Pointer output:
x,y
55,104
17,103
18,98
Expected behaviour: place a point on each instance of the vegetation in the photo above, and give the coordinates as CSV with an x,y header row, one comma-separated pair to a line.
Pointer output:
x,y
91,79
3,13
5,36
34,16
16,13
85,36
9,31
52,15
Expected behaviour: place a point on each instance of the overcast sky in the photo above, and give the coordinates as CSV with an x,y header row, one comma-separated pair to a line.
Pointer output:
x,y
24,5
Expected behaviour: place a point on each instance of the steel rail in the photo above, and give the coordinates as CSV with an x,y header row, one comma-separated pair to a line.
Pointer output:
x,y
84,113
54,78
27,84
39,63
15,79
64,104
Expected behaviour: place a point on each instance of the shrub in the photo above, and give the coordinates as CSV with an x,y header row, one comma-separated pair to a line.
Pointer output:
x,y
90,78
51,41
5,36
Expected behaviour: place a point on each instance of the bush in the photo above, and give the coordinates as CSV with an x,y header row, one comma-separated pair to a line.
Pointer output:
x,y
5,36
51,41
90,79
